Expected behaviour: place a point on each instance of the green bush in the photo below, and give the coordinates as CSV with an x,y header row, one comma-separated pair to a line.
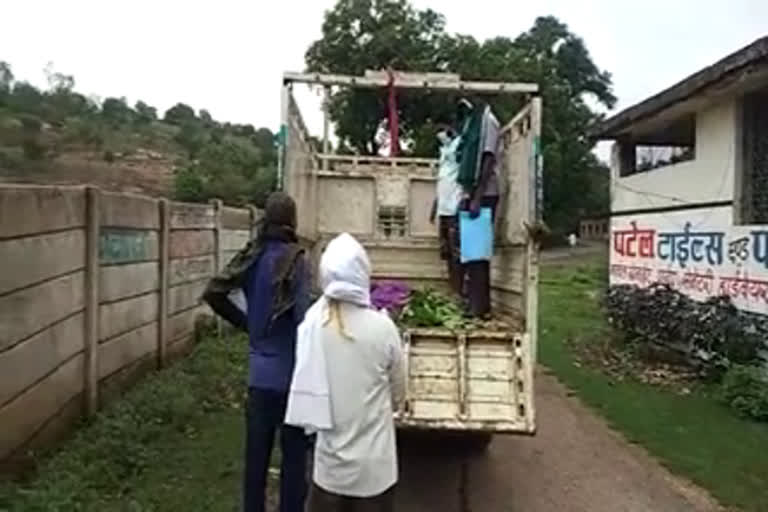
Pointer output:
x,y
9,160
234,171
30,123
33,149
712,335
189,184
745,389
122,441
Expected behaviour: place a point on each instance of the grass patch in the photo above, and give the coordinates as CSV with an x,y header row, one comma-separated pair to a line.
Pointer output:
x,y
174,442
692,435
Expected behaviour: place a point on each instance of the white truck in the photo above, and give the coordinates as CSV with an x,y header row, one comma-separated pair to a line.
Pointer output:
x,y
477,383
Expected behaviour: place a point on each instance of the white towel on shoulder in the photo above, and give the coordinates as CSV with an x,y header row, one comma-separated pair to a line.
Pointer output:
x,y
345,276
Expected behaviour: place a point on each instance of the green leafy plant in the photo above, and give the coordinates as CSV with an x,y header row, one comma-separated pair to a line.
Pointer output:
x,y
429,308
745,389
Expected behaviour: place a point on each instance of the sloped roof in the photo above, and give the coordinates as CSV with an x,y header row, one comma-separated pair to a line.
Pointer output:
x,y
737,63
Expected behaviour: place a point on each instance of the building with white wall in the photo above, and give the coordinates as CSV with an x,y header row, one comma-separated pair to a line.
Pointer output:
x,y
689,184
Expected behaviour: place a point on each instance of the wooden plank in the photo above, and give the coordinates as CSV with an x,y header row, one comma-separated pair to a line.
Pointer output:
x,y
191,216
429,75
125,350
183,324
234,239
27,210
31,360
128,211
33,259
27,311
235,218
118,282
117,246
191,269
185,244
507,268
30,410
416,263
185,296
410,81
121,317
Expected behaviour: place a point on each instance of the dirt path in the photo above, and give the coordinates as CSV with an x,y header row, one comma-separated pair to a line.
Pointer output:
x,y
575,463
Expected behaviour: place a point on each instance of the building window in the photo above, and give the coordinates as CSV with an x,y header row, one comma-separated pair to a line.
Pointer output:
x,y
675,142
754,182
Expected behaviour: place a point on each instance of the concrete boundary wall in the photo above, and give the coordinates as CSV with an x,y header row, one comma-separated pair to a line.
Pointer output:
x,y
96,288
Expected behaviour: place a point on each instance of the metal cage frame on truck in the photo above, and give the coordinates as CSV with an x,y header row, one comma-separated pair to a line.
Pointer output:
x,y
479,381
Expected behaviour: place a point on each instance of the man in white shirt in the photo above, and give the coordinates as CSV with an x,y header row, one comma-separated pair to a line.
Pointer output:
x,y
355,465
446,206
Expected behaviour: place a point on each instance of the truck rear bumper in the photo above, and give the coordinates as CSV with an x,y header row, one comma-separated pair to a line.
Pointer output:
x,y
457,426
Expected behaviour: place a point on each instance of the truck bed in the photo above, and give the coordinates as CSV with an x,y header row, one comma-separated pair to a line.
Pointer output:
x,y
480,379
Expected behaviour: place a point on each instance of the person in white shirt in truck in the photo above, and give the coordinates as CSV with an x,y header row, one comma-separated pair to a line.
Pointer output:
x,y
445,207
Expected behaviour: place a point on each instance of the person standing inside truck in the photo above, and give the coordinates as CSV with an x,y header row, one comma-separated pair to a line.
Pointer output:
x,y
272,273
445,207
478,176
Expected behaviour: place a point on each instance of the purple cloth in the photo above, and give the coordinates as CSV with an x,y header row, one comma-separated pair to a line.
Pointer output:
x,y
271,355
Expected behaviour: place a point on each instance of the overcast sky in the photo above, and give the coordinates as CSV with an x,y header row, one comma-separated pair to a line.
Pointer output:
x,y
227,56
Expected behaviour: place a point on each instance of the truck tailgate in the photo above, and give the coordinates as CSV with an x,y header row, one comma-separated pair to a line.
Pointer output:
x,y
474,381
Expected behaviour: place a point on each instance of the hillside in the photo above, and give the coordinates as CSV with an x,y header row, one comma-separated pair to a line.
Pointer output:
x,y
59,136
147,168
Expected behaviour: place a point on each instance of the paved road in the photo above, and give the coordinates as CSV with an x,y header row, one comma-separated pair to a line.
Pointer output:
x,y
575,463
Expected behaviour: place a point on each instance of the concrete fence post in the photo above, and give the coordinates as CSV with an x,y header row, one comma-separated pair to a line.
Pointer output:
x,y
218,254
164,277
91,314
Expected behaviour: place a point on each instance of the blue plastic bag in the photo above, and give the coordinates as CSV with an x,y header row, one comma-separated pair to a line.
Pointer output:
x,y
476,236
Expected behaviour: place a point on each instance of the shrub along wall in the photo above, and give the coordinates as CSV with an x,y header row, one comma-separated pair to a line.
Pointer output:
x,y
712,334
724,343
95,289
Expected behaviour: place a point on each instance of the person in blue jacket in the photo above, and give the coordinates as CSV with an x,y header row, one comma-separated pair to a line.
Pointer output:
x,y
272,273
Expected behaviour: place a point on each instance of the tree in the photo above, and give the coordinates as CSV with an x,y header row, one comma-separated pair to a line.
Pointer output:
x,y
179,114
205,117
373,34
116,111
57,81
192,136
145,114
576,183
6,75
232,170
25,98
6,82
